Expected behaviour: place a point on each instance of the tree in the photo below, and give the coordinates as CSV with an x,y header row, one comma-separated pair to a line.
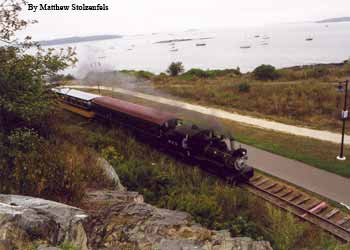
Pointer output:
x,y
25,98
175,68
265,72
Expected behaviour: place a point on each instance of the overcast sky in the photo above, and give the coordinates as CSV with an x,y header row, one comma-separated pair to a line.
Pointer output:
x,y
146,16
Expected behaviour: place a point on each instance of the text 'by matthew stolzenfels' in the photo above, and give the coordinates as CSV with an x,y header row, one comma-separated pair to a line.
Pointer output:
x,y
72,7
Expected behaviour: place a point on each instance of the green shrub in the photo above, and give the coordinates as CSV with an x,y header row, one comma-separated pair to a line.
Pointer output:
x,y
284,230
244,87
175,68
224,72
144,74
32,165
112,155
211,73
197,72
138,73
318,72
265,72
240,226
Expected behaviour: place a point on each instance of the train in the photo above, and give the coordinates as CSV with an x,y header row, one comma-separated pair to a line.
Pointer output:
x,y
213,152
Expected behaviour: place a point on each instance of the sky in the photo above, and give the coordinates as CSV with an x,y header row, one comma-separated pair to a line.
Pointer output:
x,y
147,16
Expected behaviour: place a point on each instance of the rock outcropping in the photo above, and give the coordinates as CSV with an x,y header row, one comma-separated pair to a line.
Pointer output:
x,y
107,220
110,174
120,220
26,219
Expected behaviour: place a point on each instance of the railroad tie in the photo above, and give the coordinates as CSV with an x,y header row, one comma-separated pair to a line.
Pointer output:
x,y
294,197
303,201
343,221
313,205
287,193
276,191
262,182
256,178
332,213
271,186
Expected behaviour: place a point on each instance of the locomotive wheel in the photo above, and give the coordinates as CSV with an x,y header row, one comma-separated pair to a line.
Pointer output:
x,y
232,181
229,163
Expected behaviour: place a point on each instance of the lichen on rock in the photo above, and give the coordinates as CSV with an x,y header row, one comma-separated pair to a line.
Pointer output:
x,y
26,219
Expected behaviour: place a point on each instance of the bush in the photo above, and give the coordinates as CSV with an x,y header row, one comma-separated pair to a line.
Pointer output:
x,y
138,73
265,72
285,231
212,73
112,155
175,68
244,87
197,72
35,166
318,72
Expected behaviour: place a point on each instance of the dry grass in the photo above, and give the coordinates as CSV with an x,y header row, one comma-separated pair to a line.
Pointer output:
x,y
303,96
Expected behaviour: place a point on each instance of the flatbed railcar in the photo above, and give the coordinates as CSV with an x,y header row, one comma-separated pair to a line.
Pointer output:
x,y
215,153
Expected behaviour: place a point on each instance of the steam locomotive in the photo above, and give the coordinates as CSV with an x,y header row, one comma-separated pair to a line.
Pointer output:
x,y
215,153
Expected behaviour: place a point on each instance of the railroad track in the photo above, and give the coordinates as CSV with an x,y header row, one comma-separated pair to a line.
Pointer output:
x,y
303,205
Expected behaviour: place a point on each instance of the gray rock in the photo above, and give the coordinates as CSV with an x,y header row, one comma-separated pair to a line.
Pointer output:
x,y
25,218
110,174
179,245
121,222
43,247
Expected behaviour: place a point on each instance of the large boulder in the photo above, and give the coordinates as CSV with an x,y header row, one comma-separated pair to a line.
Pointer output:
x,y
120,220
26,219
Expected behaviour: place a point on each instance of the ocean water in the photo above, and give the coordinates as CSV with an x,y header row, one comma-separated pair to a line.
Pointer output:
x,y
279,45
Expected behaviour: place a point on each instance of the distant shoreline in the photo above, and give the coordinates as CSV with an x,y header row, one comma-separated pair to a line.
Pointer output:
x,y
77,39
335,20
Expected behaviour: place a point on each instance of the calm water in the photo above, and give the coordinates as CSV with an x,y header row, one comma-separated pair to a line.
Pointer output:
x,y
286,46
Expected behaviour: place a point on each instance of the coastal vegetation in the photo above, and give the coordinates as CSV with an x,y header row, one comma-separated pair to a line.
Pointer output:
x,y
34,158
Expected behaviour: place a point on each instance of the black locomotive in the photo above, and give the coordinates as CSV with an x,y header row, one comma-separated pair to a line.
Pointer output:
x,y
215,153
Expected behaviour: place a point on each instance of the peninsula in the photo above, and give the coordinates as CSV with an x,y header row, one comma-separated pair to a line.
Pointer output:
x,y
335,20
77,39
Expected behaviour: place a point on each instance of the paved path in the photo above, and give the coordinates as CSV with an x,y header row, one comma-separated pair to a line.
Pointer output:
x,y
326,184
256,122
